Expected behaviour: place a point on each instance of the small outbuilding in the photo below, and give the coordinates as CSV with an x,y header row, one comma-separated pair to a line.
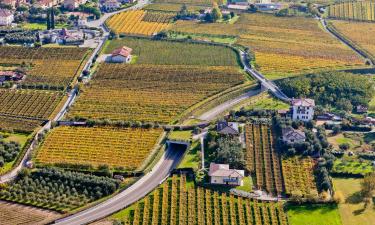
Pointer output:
x,y
228,128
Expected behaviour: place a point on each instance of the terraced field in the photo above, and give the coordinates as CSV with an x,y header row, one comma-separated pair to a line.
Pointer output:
x,y
175,53
150,93
282,46
124,149
176,203
55,67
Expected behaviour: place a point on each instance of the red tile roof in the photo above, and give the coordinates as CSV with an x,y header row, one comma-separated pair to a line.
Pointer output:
x,y
124,51
303,102
5,13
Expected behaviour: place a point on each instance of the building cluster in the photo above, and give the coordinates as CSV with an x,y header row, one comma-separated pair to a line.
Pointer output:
x,y
67,37
262,5
112,5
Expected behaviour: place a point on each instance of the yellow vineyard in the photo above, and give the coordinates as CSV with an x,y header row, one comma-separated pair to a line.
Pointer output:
x,y
87,146
363,10
131,22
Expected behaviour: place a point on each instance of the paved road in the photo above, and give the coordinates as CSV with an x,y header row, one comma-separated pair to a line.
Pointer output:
x,y
265,82
134,193
213,113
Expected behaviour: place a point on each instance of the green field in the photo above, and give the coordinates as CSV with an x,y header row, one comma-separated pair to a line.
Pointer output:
x,y
180,135
351,210
175,53
352,166
327,214
262,101
192,157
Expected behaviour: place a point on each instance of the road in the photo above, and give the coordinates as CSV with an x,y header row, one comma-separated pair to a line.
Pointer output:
x,y
213,113
272,87
137,191
342,40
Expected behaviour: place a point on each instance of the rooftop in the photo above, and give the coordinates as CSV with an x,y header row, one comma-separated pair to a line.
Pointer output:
x,y
307,102
222,170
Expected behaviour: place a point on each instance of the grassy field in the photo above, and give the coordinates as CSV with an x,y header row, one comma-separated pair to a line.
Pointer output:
x,y
150,93
175,53
192,157
283,46
41,26
16,137
121,149
172,7
314,215
185,135
351,210
358,32
263,101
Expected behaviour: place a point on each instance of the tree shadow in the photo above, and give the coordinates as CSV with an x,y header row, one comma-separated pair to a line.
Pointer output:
x,y
355,198
359,211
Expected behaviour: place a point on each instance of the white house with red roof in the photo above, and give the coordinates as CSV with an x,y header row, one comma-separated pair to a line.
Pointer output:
x,y
6,17
303,109
221,174
121,55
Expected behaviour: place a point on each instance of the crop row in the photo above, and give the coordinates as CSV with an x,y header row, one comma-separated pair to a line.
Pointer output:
x,y
131,22
158,17
173,203
29,103
150,93
94,146
22,53
298,175
262,160
18,124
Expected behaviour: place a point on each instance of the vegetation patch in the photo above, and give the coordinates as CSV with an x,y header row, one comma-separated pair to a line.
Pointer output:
x,y
150,93
94,147
58,190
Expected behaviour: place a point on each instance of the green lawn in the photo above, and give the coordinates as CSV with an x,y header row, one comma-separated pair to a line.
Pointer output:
x,y
41,26
351,210
264,101
192,158
247,184
320,214
180,135
17,137
205,37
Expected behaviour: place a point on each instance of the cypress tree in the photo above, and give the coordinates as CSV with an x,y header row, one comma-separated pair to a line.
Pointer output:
x,y
48,21
53,18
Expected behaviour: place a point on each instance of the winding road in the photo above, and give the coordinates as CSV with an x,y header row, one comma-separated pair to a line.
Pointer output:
x,y
138,190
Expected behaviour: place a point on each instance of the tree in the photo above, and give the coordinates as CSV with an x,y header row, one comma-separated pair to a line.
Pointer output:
x,y
230,152
344,146
48,21
368,188
52,18
216,13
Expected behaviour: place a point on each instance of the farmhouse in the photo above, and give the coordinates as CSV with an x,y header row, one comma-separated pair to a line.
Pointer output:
x,y
291,135
73,4
227,128
6,17
303,109
111,5
121,55
221,174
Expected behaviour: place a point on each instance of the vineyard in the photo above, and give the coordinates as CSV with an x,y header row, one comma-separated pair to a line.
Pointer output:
x,y
18,125
124,149
55,67
150,93
262,160
28,104
190,2
298,176
175,203
353,10
158,17
300,43
360,33
170,7
176,53
18,214
137,22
